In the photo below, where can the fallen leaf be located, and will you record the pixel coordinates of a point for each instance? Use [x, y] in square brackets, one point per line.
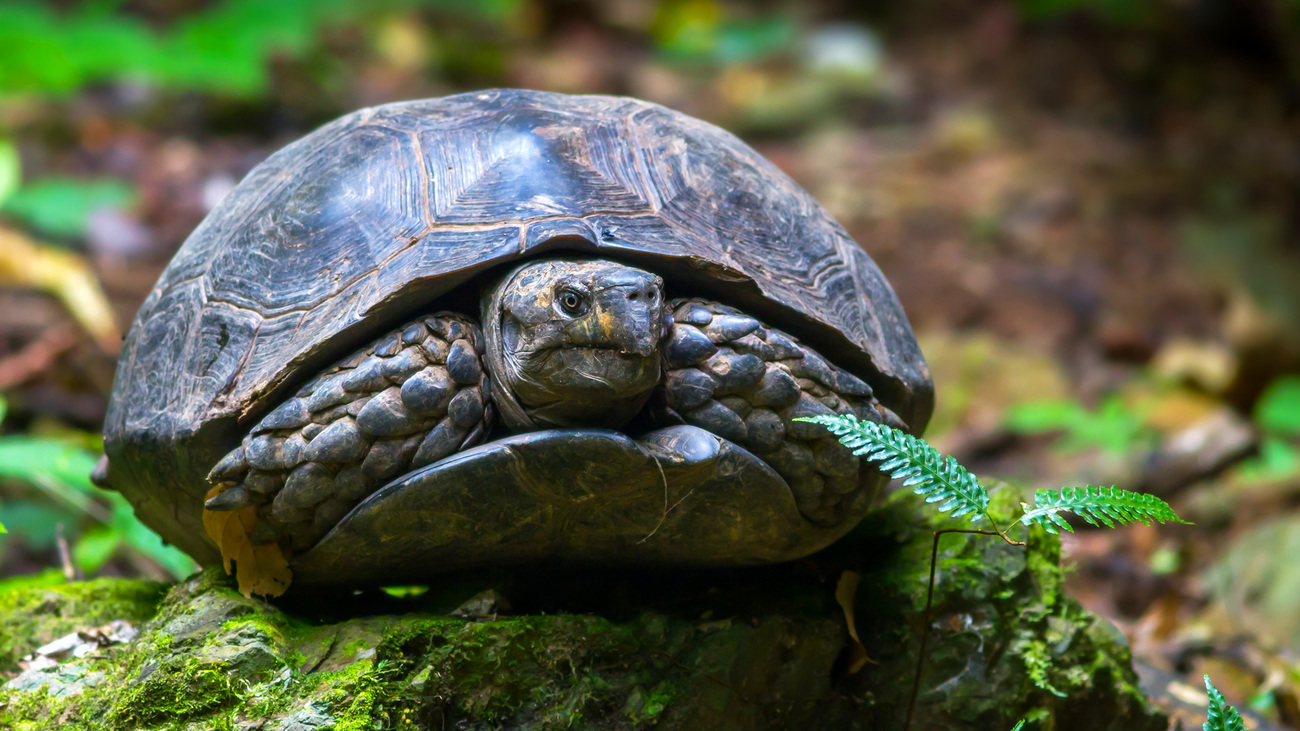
[485, 604]
[259, 569]
[268, 573]
[845, 590]
[214, 522]
[81, 643]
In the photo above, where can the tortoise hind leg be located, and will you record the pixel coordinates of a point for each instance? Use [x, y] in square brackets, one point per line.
[408, 399]
[727, 373]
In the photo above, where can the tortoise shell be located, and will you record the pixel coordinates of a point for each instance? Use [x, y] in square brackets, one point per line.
[379, 214]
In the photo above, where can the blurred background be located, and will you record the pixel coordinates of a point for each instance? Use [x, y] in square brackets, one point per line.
[1089, 208]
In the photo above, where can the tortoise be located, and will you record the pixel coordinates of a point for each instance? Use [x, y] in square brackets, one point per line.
[504, 327]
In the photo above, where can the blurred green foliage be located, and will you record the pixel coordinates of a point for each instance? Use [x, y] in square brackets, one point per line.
[225, 48]
[62, 206]
[1114, 426]
[1278, 409]
[698, 30]
[1277, 414]
[59, 470]
[55, 206]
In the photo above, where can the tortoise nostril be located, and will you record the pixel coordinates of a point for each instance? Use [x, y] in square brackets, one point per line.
[634, 296]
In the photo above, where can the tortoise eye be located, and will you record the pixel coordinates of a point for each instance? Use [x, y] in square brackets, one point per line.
[571, 301]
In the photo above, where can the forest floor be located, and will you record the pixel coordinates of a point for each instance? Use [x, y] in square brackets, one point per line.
[1088, 225]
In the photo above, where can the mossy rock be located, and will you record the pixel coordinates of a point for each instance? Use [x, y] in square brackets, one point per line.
[32, 617]
[600, 649]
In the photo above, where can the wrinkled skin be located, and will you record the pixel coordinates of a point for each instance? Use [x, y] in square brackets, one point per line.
[575, 343]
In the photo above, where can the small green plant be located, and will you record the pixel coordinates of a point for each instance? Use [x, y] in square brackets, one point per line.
[1220, 716]
[944, 481]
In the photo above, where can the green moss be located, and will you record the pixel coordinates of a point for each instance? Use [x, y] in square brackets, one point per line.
[177, 689]
[272, 630]
[355, 646]
[660, 698]
[39, 710]
[359, 697]
[1038, 664]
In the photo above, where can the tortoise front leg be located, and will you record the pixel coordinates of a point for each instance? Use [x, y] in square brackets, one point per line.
[407, 400]
[728, 374]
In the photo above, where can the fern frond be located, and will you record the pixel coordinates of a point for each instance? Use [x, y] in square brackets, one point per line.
[902, 456]
[1220, 716]
[1107, 506]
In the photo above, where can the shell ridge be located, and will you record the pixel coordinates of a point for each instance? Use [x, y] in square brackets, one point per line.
[652, 192]
[425, 181]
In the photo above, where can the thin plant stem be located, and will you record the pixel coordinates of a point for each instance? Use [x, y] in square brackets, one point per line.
[929, 599]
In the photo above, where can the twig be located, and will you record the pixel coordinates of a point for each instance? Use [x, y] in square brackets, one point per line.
[70, 571]
[37, 356]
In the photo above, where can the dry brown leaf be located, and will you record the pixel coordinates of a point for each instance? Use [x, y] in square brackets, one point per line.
[268, 571]
[27, 263]
[261, 569]
[845, 590]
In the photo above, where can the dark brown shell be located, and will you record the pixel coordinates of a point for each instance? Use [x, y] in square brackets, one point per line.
[378, 214]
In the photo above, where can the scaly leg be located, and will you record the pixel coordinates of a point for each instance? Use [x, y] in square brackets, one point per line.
[409, 399]
[728, 374]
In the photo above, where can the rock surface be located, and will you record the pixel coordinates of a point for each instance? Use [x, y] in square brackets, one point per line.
[600, 649]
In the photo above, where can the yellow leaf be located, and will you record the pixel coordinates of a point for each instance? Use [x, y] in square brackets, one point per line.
[263, 570]
[214, 522]
[259, 569]
[25, 262]
[845, 590]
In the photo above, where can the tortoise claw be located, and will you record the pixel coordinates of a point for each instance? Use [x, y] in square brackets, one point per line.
[231, 468]
[234, 498]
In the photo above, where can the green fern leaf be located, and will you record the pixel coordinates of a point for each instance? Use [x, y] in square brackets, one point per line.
[1220, 716]
[1108, 506]
[902, 456]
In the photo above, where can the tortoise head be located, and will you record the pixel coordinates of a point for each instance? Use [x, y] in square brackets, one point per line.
[574, 343]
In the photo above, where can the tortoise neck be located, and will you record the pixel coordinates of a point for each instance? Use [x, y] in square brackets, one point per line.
[513, 414]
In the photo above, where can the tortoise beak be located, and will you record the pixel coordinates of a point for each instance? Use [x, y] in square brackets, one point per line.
[629, 315]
